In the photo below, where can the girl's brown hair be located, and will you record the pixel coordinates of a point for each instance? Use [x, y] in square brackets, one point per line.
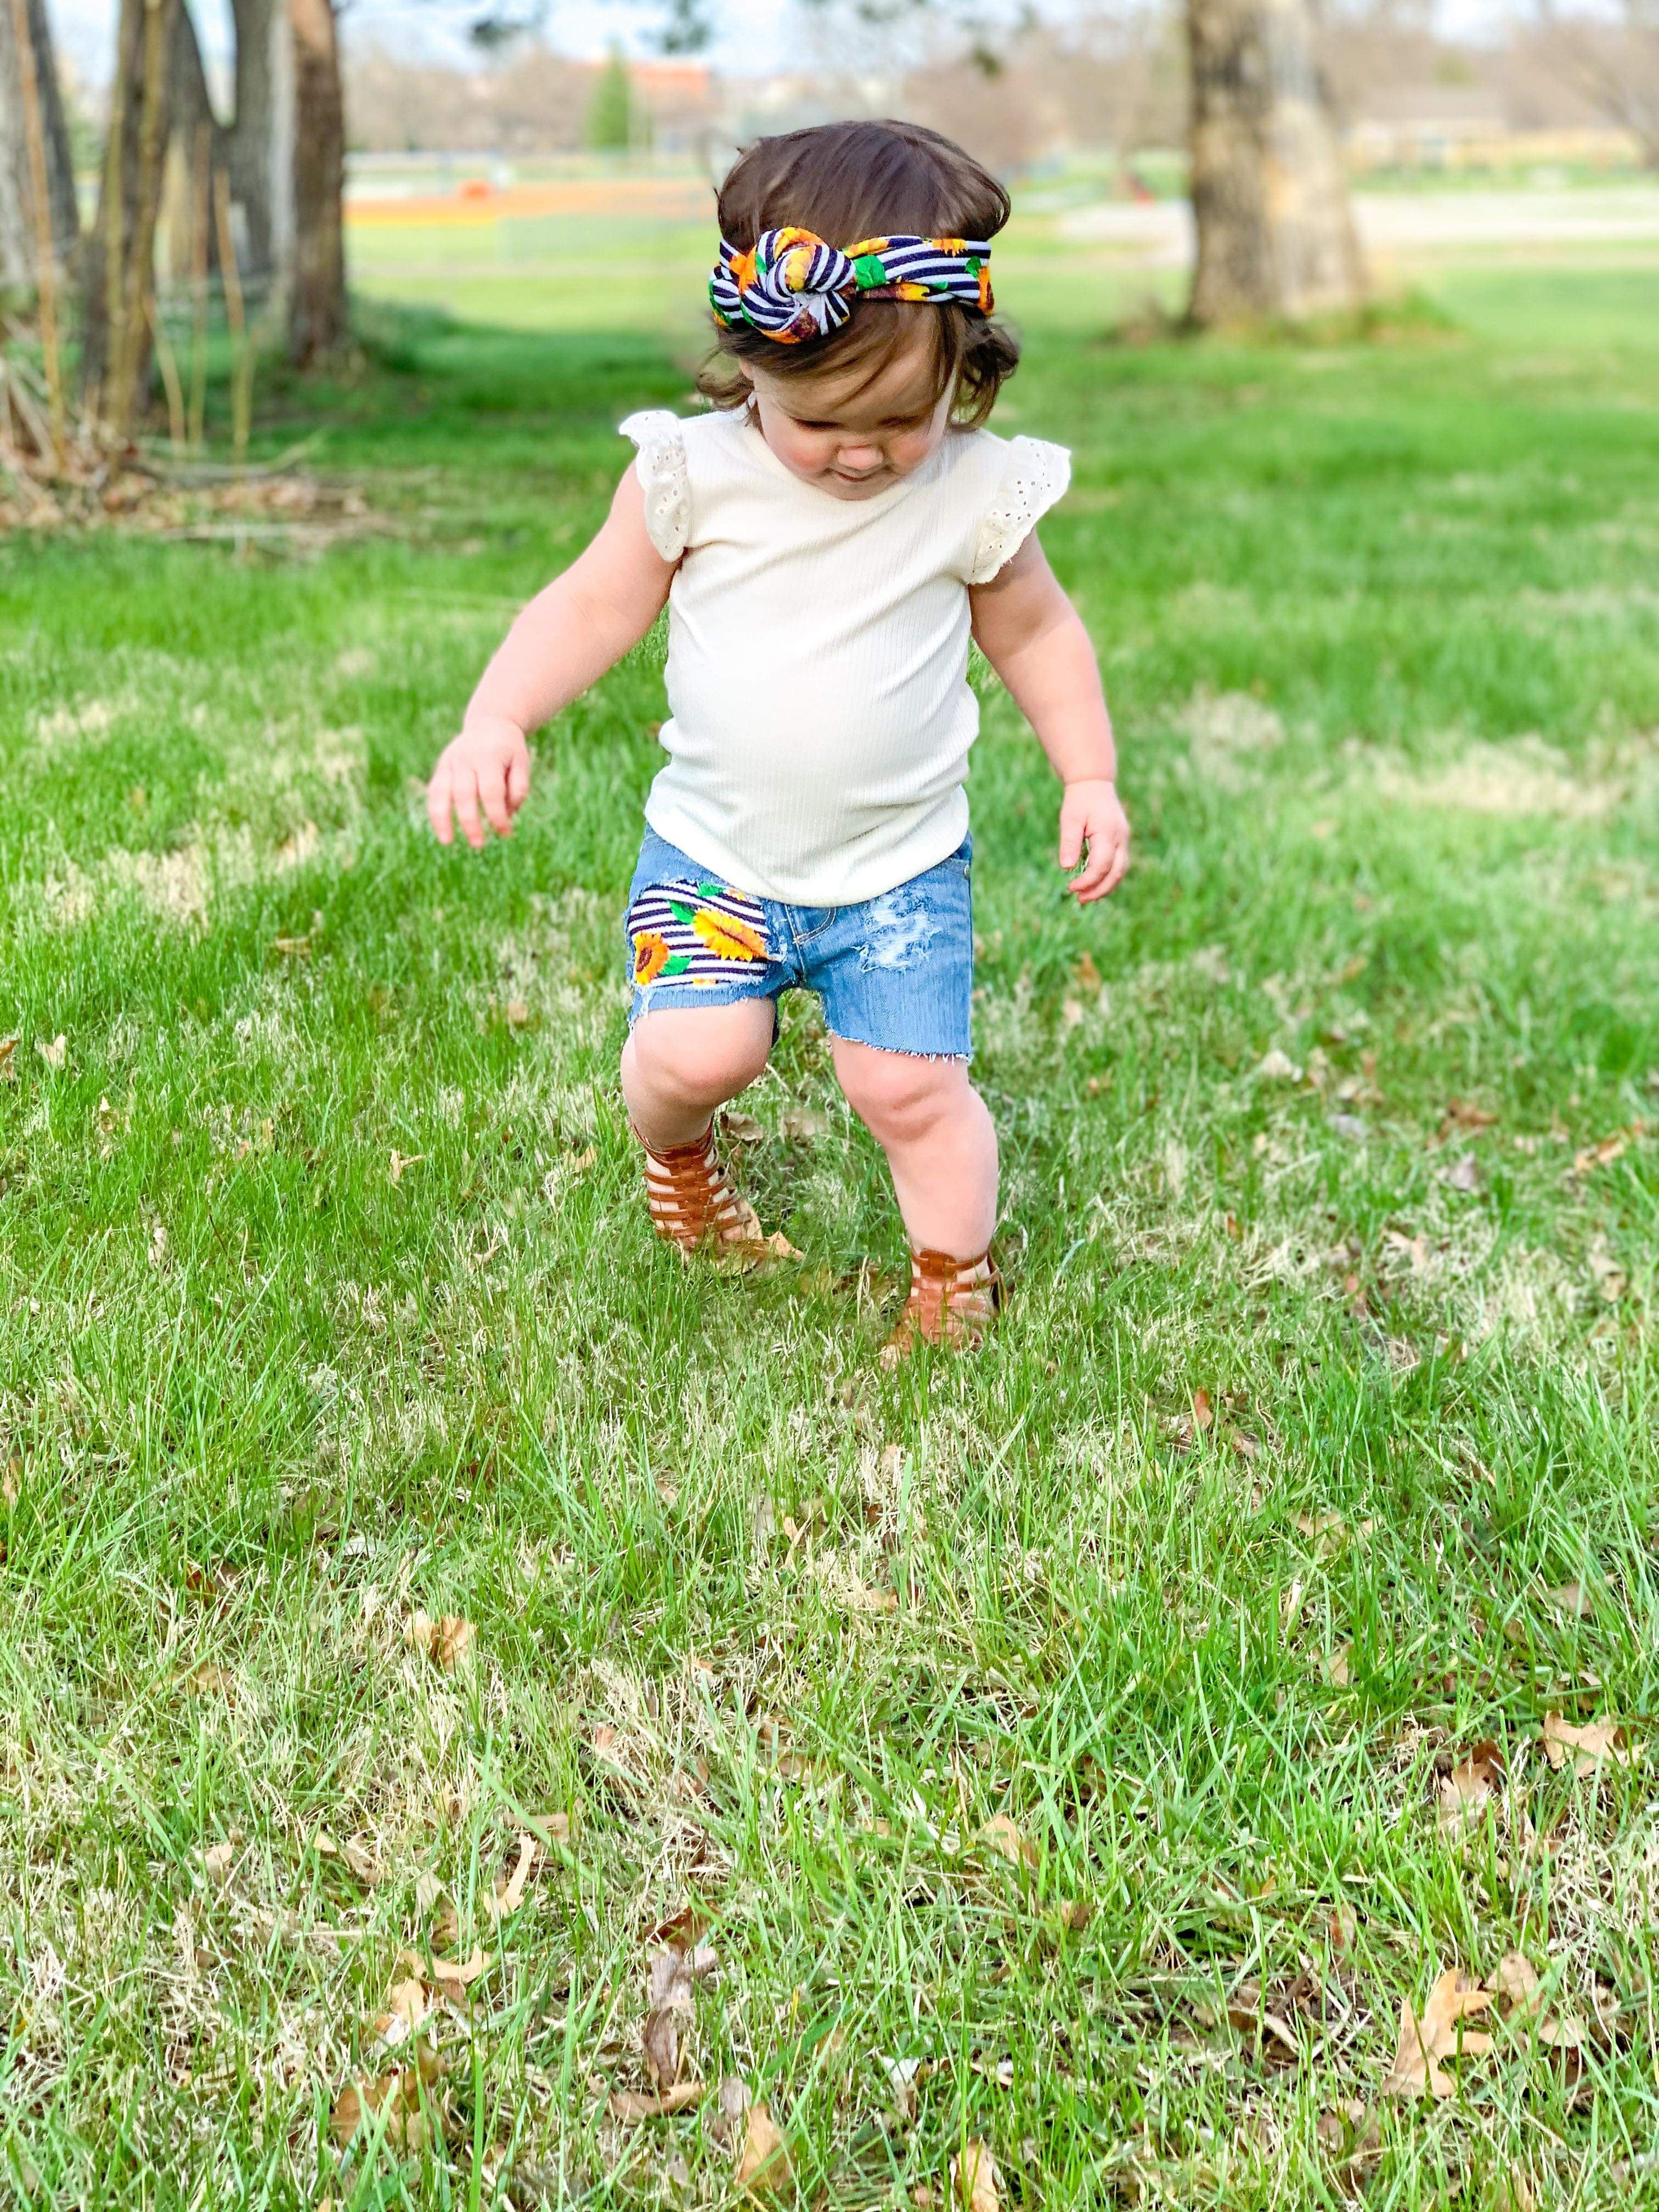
[848, 181]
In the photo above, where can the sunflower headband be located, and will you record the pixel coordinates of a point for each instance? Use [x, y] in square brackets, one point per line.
[793, 286]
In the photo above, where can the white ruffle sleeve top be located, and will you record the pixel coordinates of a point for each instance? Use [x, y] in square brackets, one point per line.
[817, 651]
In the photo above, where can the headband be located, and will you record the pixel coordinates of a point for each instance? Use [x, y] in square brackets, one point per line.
[793, 286]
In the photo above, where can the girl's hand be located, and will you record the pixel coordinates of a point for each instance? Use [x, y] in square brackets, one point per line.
[1090, 816]
[486, 767]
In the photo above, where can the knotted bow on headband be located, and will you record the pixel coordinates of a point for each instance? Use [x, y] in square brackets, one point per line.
[793, 286]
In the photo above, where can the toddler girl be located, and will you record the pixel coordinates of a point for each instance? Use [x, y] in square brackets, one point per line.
[827, 539]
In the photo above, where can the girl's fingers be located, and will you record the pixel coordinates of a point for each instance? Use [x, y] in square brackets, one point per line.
[437, 805]
[492, 794]
[518, 777]
[1088, 884]
[1105, 871]
[464, 782]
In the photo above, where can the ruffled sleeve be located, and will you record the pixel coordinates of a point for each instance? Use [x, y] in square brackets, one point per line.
[660, 464]
[1034, 477]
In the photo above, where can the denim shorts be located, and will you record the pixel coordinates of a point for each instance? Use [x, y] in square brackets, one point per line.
[897, 971]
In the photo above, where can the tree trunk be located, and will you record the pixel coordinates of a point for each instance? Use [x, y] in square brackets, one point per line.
[118, 266]
[317, 300]
[1275, 231]
[259, 183]
[19, 224]
[193, 121]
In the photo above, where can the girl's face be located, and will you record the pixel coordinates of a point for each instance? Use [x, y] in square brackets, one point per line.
[854, 436]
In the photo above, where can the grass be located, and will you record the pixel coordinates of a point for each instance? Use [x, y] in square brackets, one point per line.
[328, 1297]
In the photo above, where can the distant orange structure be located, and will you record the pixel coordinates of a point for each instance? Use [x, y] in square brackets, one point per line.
[476, 201]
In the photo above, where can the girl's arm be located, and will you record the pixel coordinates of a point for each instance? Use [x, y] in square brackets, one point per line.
[580, 625]
[1034, 638]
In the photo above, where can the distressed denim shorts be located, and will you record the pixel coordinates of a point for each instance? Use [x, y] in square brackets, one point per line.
[895, 972]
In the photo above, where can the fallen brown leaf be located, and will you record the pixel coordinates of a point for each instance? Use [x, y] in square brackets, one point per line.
[859, 1597]
[446, 1641]
[1203, 1412]
[975, 2181]
[1466, 1792]
[509, 1891]
[1463, 1114]
[661, 2040]
[684, 1930]
[632, 2106]
[1242, 2014]
[1517, 1984]
[406, 2008]
[56, 1053]
[668, 1980]
[742, 1128]
[1437, 2035]
[1523, 1994]
[7, 1060]
[394, 2099]
[1569, 1598]
[360, 1860]
[1602, 1155]
[999, 1834]
[451, 1977]
[1350, 2132]
[1340, 1667]
[727, 2124]
[764, 2167]
[1343, 1928]
[399, 1161]
[1588, 1746]
[669, 1995]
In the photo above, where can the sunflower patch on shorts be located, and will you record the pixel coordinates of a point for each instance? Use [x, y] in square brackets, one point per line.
[701, 933]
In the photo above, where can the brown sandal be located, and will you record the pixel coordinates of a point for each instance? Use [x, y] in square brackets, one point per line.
[952, 1302]
[692, 1204]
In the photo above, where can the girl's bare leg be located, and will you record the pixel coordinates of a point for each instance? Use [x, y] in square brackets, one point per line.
[682, 1063]
[937, 1133]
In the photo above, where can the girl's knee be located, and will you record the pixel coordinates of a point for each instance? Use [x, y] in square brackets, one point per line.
[702, 1057]
[899, 1094]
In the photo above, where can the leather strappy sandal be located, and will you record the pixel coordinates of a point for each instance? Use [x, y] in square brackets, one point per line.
[952, 1302]
[694, 1205]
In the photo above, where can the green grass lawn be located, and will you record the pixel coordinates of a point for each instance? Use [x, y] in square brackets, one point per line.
[1318, 1451]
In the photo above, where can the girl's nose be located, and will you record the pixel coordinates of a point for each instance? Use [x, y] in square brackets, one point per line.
[859, 458]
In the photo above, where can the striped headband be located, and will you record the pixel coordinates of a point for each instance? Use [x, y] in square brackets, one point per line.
[793, 286]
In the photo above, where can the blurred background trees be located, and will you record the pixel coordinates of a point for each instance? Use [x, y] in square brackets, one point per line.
[37, 176]
[231, 165]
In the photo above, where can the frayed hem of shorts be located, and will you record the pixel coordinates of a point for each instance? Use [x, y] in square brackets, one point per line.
[904, 1051]
[642, 1004]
